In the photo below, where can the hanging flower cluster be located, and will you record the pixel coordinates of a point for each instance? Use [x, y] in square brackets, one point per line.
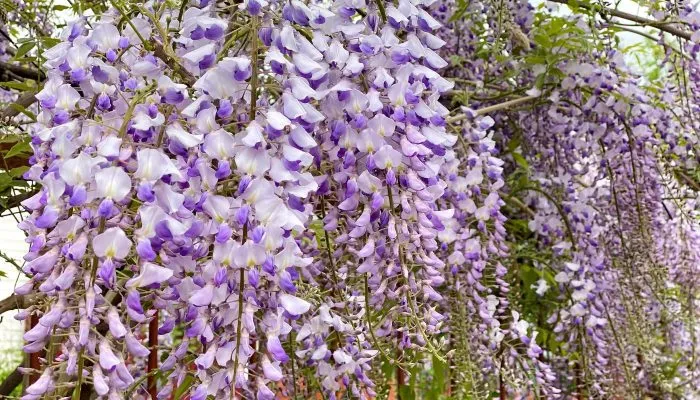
[244, 200]
[182, 176]
[597, 152]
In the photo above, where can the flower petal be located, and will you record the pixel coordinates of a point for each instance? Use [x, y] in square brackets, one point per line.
[294, 305]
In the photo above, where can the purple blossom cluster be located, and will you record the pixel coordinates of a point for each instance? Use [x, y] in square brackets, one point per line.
[183, 177]
[602, 200]
[238, 201]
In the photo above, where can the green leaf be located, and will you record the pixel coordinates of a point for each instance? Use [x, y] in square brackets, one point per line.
[529, 275]
[18, 149]
[24, 111]
[24, 49]
[573, 4]
[440, 374]
[182, 390]
[49, 41]
[317, 227]
[543, 40]
[520, 160]
[8, 139]
[5, 181]
[17, 172]
[17, 85]
[539, 81]
[535, 59]
[407, 390]
[386, 367]
[555, 26]
[514, 143]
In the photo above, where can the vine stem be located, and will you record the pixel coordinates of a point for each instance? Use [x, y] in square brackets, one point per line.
[368, 313]
[153, 355]
[618, 342]
[244, 237]
[329, 252]
[239, 322]
[81, 359]
[399, 355]
[161, 133]
[254, 64]
[146, 44]
[562, 214]
[495, 107]
[34, 360]
[294, 372]
[502, 392]
[130, 112]
[409, 298]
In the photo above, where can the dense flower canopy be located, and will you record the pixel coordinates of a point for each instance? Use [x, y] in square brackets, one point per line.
[281, 198]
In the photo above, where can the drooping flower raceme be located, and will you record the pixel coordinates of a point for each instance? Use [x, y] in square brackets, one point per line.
[278, 195]
[599, 149]
[181, 177]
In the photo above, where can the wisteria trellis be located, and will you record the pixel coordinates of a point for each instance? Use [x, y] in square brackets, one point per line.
[281, 192]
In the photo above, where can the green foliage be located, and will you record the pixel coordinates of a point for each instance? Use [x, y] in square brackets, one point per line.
[22, 147]
[9, 360]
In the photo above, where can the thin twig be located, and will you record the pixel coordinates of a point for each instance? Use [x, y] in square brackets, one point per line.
[494, 108]
[662, 26]
[159, 51]
[652, 38]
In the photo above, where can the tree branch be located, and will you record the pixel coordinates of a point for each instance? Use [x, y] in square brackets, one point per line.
[11, 382]
[17, 302]
[682, 176]
[16, 200]
[160, 52]
[23, 72]
[654, 39]
[662, 26]
[14, 109]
